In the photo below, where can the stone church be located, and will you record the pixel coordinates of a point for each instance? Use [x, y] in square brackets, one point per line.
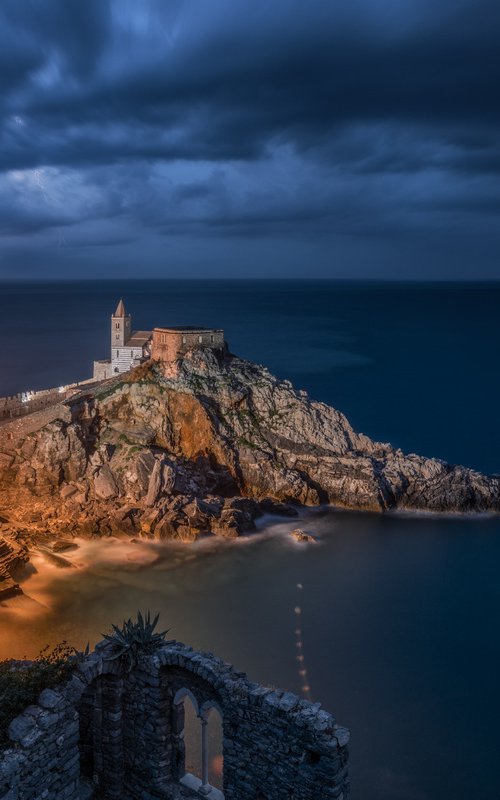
[130, 348]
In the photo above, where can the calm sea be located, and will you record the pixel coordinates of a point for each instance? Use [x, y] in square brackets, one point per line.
[400, 615]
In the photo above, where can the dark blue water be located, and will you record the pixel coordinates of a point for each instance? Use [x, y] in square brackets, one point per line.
[414, 364]
[400, 614]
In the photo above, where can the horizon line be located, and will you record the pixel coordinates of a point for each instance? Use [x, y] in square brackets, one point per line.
[243, 279]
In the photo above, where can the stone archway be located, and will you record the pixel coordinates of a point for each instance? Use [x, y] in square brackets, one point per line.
[182, 685]
[200, 784]
[121, 723]
[186, 758]
[212, 727]
[101, 741]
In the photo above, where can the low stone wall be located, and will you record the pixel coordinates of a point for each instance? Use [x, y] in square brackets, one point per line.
[24, 403]
[14, 431]
[119, 734]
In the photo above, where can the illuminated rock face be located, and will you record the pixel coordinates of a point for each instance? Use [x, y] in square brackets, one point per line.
[202, 444]
[13, 557]
[121, 733]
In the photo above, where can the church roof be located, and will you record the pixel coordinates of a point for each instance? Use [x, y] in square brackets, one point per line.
[120, 310]
[138, 338]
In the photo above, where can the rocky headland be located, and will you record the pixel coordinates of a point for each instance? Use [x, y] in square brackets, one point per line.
[202, 446]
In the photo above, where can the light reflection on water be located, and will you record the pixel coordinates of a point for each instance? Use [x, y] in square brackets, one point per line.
[398, 642]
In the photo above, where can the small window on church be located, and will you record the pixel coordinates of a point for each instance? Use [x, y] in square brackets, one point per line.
[131, 354]
[117, 336]
[117, 325]
[200, 339]
[117, 353]
[212, 339]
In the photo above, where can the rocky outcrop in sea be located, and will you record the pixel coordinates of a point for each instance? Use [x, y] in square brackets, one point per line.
[204, 445]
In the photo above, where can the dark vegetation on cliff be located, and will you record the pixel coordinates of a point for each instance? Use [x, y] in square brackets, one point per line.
[21, 682]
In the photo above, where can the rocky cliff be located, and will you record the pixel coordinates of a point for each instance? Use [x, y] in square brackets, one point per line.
[13, 557]
[203, 445]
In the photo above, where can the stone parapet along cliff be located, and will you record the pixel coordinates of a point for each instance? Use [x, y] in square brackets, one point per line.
[116, 731]
[202, 445]
[24, 403]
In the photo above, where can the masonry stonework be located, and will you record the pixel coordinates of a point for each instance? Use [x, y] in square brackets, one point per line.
[169, 344]
[130, 348]
[24, 403]
[113, 733]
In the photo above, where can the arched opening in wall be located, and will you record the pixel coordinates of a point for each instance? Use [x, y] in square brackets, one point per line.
[190, 733]
[100, 739]
[215, 751]
[86, 710]
[199, 762]
[188, 736]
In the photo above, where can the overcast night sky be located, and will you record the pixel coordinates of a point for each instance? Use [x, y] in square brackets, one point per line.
[250, 138]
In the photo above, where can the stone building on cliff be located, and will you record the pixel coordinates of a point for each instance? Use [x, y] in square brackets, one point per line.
[169, 344]
[130, 348]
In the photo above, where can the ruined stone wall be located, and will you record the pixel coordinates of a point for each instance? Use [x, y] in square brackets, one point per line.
[119, 734]
[171, 343]
[44, 759]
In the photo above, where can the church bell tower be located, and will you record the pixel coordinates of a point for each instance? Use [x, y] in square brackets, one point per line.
[121, 326]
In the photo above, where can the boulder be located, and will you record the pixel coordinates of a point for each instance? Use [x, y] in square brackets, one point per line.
[68, 491]
[105, 485]
[302, 536]
[270, 506]
[8, 588]
[232, 522]
[64, 546]
[154, 484]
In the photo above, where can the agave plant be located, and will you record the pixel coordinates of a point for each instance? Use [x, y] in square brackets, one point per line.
[135, 637]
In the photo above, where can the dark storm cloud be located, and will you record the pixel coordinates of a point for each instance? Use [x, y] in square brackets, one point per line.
[297, 76]
[367, 118]
[19, 223]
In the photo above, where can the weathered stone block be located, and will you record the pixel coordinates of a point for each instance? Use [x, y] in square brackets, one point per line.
[50, 699]
[21, 726]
